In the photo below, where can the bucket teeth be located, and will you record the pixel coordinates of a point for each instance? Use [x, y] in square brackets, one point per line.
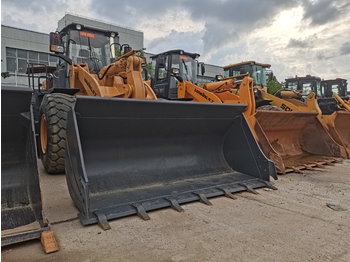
[102, 221]
[318, 165]
[309, 167]
[249, 189]
[141, 212]
[174, 204]
[330, 162]
[296, 170]
[269, 185]
[227, 193]
[203, 198]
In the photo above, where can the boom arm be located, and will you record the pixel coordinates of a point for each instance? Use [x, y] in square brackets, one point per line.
[343, 104]
[122, 78]
[220, 92]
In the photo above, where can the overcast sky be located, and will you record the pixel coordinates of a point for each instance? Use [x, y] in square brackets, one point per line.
[297, 37]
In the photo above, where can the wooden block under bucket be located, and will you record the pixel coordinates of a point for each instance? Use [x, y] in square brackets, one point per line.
[48, 241]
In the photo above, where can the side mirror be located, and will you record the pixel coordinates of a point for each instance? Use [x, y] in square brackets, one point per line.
[218, 77]
[175, 71]
[56, 44]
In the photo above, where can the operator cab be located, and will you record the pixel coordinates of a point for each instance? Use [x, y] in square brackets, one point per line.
[324, 90]
[337, 86]
[81, 44]
[305, 85]
[256, 70]
[163, 80]
[329, 87]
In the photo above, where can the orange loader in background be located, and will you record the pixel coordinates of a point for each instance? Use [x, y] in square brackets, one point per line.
[286, 138]
[326, 97]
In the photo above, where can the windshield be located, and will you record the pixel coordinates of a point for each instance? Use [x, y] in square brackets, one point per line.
[259, 75]
[234, 72]
[187, 66]
[292, 85]
[306, 88]
[335, 89]
[83, 45]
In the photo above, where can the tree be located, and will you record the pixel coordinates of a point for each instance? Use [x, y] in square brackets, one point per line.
[273, 86]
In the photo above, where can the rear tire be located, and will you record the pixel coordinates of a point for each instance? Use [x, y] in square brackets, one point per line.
[269, 107]
[52, 131]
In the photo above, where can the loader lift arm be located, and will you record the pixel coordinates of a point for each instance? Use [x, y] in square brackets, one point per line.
[122, 78]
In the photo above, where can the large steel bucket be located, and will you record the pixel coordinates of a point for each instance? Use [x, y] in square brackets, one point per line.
[338, 125]
[126, 156]
[21, 205]
[299, 138]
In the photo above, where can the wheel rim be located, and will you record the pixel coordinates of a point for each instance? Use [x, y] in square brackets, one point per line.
[43, 134]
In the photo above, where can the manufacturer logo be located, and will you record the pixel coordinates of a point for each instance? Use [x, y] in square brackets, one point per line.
[90, 87]
[286, 108]
[202, 94]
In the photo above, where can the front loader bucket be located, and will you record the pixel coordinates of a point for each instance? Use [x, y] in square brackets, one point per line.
[126, 156]
[338, 125]
[21, 205]
[299, 138]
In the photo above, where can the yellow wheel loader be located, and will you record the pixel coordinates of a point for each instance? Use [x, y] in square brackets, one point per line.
[326, 97]
[124, 151]
[286, 138]
[22, 216]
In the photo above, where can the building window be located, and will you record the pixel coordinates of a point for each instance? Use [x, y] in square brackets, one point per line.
[17, 59]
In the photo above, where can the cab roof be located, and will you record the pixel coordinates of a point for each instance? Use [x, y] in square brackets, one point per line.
[176, 52]
[251, 62]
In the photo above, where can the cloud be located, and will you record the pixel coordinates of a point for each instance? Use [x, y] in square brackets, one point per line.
[296, 43]
[175, 40]
[334, 70]
[288, 34]
[345, 48]
[321, 12]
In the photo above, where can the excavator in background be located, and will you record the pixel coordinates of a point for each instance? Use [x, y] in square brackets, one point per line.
[123, 150]
[286, 138]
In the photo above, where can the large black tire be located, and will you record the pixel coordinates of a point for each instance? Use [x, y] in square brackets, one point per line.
[52, 131]
[269, 107]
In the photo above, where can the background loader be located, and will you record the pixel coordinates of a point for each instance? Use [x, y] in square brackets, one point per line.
[286, 138]
[128, 156]
[329, 100]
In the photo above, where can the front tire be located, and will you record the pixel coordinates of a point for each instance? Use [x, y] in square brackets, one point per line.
[52, 131]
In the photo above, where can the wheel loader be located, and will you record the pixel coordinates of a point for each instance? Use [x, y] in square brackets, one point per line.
[286, 138]
[332, 101]
[126, 152]
[293, 98]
